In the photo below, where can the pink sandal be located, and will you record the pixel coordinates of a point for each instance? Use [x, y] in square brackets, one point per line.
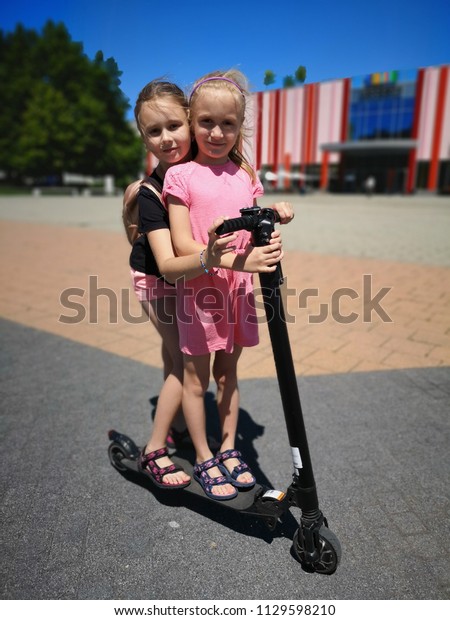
[147, 465]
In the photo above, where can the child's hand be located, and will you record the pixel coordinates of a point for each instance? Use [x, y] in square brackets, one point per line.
[284, 210]
[263, 259]
[276, 237]
[218, 246]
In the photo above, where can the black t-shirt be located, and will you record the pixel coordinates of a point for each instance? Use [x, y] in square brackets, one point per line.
[152, 216]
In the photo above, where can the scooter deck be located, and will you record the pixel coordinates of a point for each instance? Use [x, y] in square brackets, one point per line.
[243, 501]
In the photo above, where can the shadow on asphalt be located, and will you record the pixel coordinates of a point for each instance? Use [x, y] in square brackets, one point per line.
[248, 431]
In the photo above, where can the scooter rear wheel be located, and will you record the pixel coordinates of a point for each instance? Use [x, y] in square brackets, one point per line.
[116, 454]
[329, 552]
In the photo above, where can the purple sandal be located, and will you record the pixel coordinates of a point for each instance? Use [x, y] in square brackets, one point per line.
[207, 483]
[147, 465]
[237, 471]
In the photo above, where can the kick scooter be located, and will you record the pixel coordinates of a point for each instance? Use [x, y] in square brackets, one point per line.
[316, 547]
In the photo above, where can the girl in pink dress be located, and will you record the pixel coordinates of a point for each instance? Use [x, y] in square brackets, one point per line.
[215, 311]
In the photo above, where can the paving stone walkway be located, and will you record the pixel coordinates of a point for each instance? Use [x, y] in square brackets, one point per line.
[348, 310]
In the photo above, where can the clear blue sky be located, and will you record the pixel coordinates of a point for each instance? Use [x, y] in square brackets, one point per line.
[185, 39]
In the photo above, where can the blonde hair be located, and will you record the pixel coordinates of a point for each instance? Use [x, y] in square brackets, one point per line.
[236, 83]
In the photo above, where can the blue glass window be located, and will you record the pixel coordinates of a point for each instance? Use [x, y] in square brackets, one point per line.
[382, 111]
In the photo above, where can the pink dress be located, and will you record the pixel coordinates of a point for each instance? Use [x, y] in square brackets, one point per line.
[214, 311]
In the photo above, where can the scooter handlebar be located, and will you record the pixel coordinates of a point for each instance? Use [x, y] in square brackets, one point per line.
[237, 223]
[251, 219]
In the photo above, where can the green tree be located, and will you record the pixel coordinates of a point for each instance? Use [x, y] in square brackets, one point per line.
[288, 81]
[269, 77]
[300, 74]
[61, 111]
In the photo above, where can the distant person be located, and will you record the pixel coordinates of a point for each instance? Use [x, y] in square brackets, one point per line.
[370, 184]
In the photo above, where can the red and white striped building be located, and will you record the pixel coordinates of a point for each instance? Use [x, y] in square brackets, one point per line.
[306, 134]
[332, 135]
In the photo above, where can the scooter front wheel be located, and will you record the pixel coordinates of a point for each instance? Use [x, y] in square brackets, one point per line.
[329, 550]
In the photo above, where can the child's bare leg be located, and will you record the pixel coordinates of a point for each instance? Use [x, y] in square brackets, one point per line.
[165, 355]
[195, 384]
[167, 358]
[225, 376]
[178, 422]
[163, 314]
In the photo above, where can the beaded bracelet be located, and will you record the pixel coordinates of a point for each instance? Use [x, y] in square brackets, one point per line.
[205, 268]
